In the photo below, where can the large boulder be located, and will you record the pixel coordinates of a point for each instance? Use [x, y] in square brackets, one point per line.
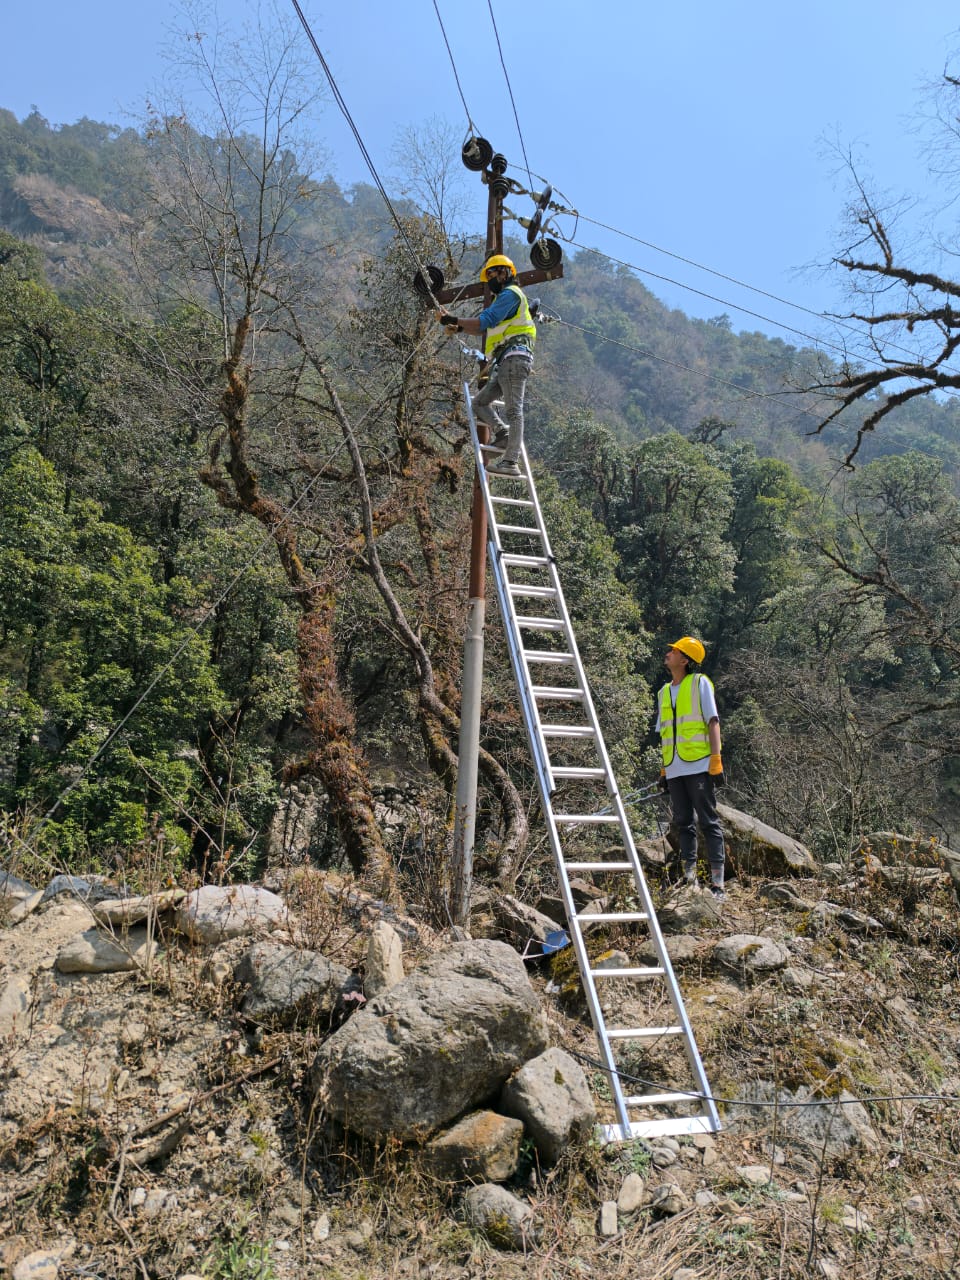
[751, 953]
[909, 852]
[287, 986]
[434, 1046]
[758, 850]
[551, 1096]
[482, 1147]
[825, 1128]
[214, 913]
[96, 952]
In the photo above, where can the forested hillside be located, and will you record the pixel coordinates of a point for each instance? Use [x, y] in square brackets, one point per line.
[234, 526]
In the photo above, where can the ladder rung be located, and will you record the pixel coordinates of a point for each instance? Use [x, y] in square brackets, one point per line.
[541, 624]
[661, 1099]
[528, 589]
[599, 866]
[655, 972]
[586, 819]
[524, 562]
[643, 1033]
[568, 731]
[510, 502]
[651, 1128]
[549, 657]
[575, 771]
[558, 694]
[518, 528]
[589, 917]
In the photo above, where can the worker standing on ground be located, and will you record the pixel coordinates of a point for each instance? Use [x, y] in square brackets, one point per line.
[689, 729]
[508, 349]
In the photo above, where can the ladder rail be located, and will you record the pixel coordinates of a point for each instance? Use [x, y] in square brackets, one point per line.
[547, 779]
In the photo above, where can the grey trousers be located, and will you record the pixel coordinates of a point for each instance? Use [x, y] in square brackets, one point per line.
[507, 382]
[692, 802]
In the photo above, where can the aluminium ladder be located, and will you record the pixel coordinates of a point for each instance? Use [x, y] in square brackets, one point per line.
[585, 817]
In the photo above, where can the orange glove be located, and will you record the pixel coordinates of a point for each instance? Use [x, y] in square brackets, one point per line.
[716, 766]
[662, 782]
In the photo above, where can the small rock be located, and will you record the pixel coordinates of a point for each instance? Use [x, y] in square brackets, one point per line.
[482, 1146]
[25, 907]
[321, 1228]
[854, 1220]
[668, 1199]
[608, 1218]
[663, 1157]
[37, 1266]
[158, 1202]
[384, 966]
[918, 1204]
[754, 1175]
[795, 979]
[631, 1194]
[506, 1221]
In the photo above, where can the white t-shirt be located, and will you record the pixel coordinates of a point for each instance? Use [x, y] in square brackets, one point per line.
[678, 768]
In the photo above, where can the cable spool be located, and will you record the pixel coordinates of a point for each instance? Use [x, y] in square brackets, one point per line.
[432, 285]
[546, 254]
[476, 154]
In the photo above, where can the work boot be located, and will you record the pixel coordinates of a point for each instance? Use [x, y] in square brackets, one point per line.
[504, 467]
[716, 883]
[498, 443]
[690, 873]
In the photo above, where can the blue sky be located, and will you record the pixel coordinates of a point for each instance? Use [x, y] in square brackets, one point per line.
[702, 129]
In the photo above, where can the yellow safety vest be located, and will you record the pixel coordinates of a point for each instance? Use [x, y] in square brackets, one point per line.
[519, 325]
[683, 731]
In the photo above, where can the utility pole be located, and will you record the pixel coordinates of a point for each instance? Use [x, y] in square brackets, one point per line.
[465, 817]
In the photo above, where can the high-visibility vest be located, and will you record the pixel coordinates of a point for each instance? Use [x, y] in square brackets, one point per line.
[683, 730]
[519, 325]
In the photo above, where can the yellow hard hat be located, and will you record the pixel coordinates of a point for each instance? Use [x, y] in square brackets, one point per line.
[691, 647]
[498, 260]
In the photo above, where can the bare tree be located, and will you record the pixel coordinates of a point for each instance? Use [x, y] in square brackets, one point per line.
[909, 305]
[332, 426]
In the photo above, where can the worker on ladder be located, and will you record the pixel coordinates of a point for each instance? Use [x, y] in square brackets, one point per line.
[508, 349]
[689, 728]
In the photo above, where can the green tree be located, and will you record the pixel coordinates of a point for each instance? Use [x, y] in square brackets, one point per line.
[87, 631]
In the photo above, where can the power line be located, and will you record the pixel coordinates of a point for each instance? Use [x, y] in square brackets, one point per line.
[742, 284]
[723, 302]
[466, 109]
[774, 1104]
[513, 103]
[817, 343]
[744, 392]
[345, 111]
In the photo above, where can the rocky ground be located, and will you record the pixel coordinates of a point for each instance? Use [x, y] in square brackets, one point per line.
[152, 1126]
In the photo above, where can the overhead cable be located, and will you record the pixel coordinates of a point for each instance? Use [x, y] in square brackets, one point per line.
[466, 109]
[742, 284]
[743, 392]
[345, 111]
[526, 163]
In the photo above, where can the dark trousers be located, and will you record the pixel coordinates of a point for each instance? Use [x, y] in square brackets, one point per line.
[693, 800]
